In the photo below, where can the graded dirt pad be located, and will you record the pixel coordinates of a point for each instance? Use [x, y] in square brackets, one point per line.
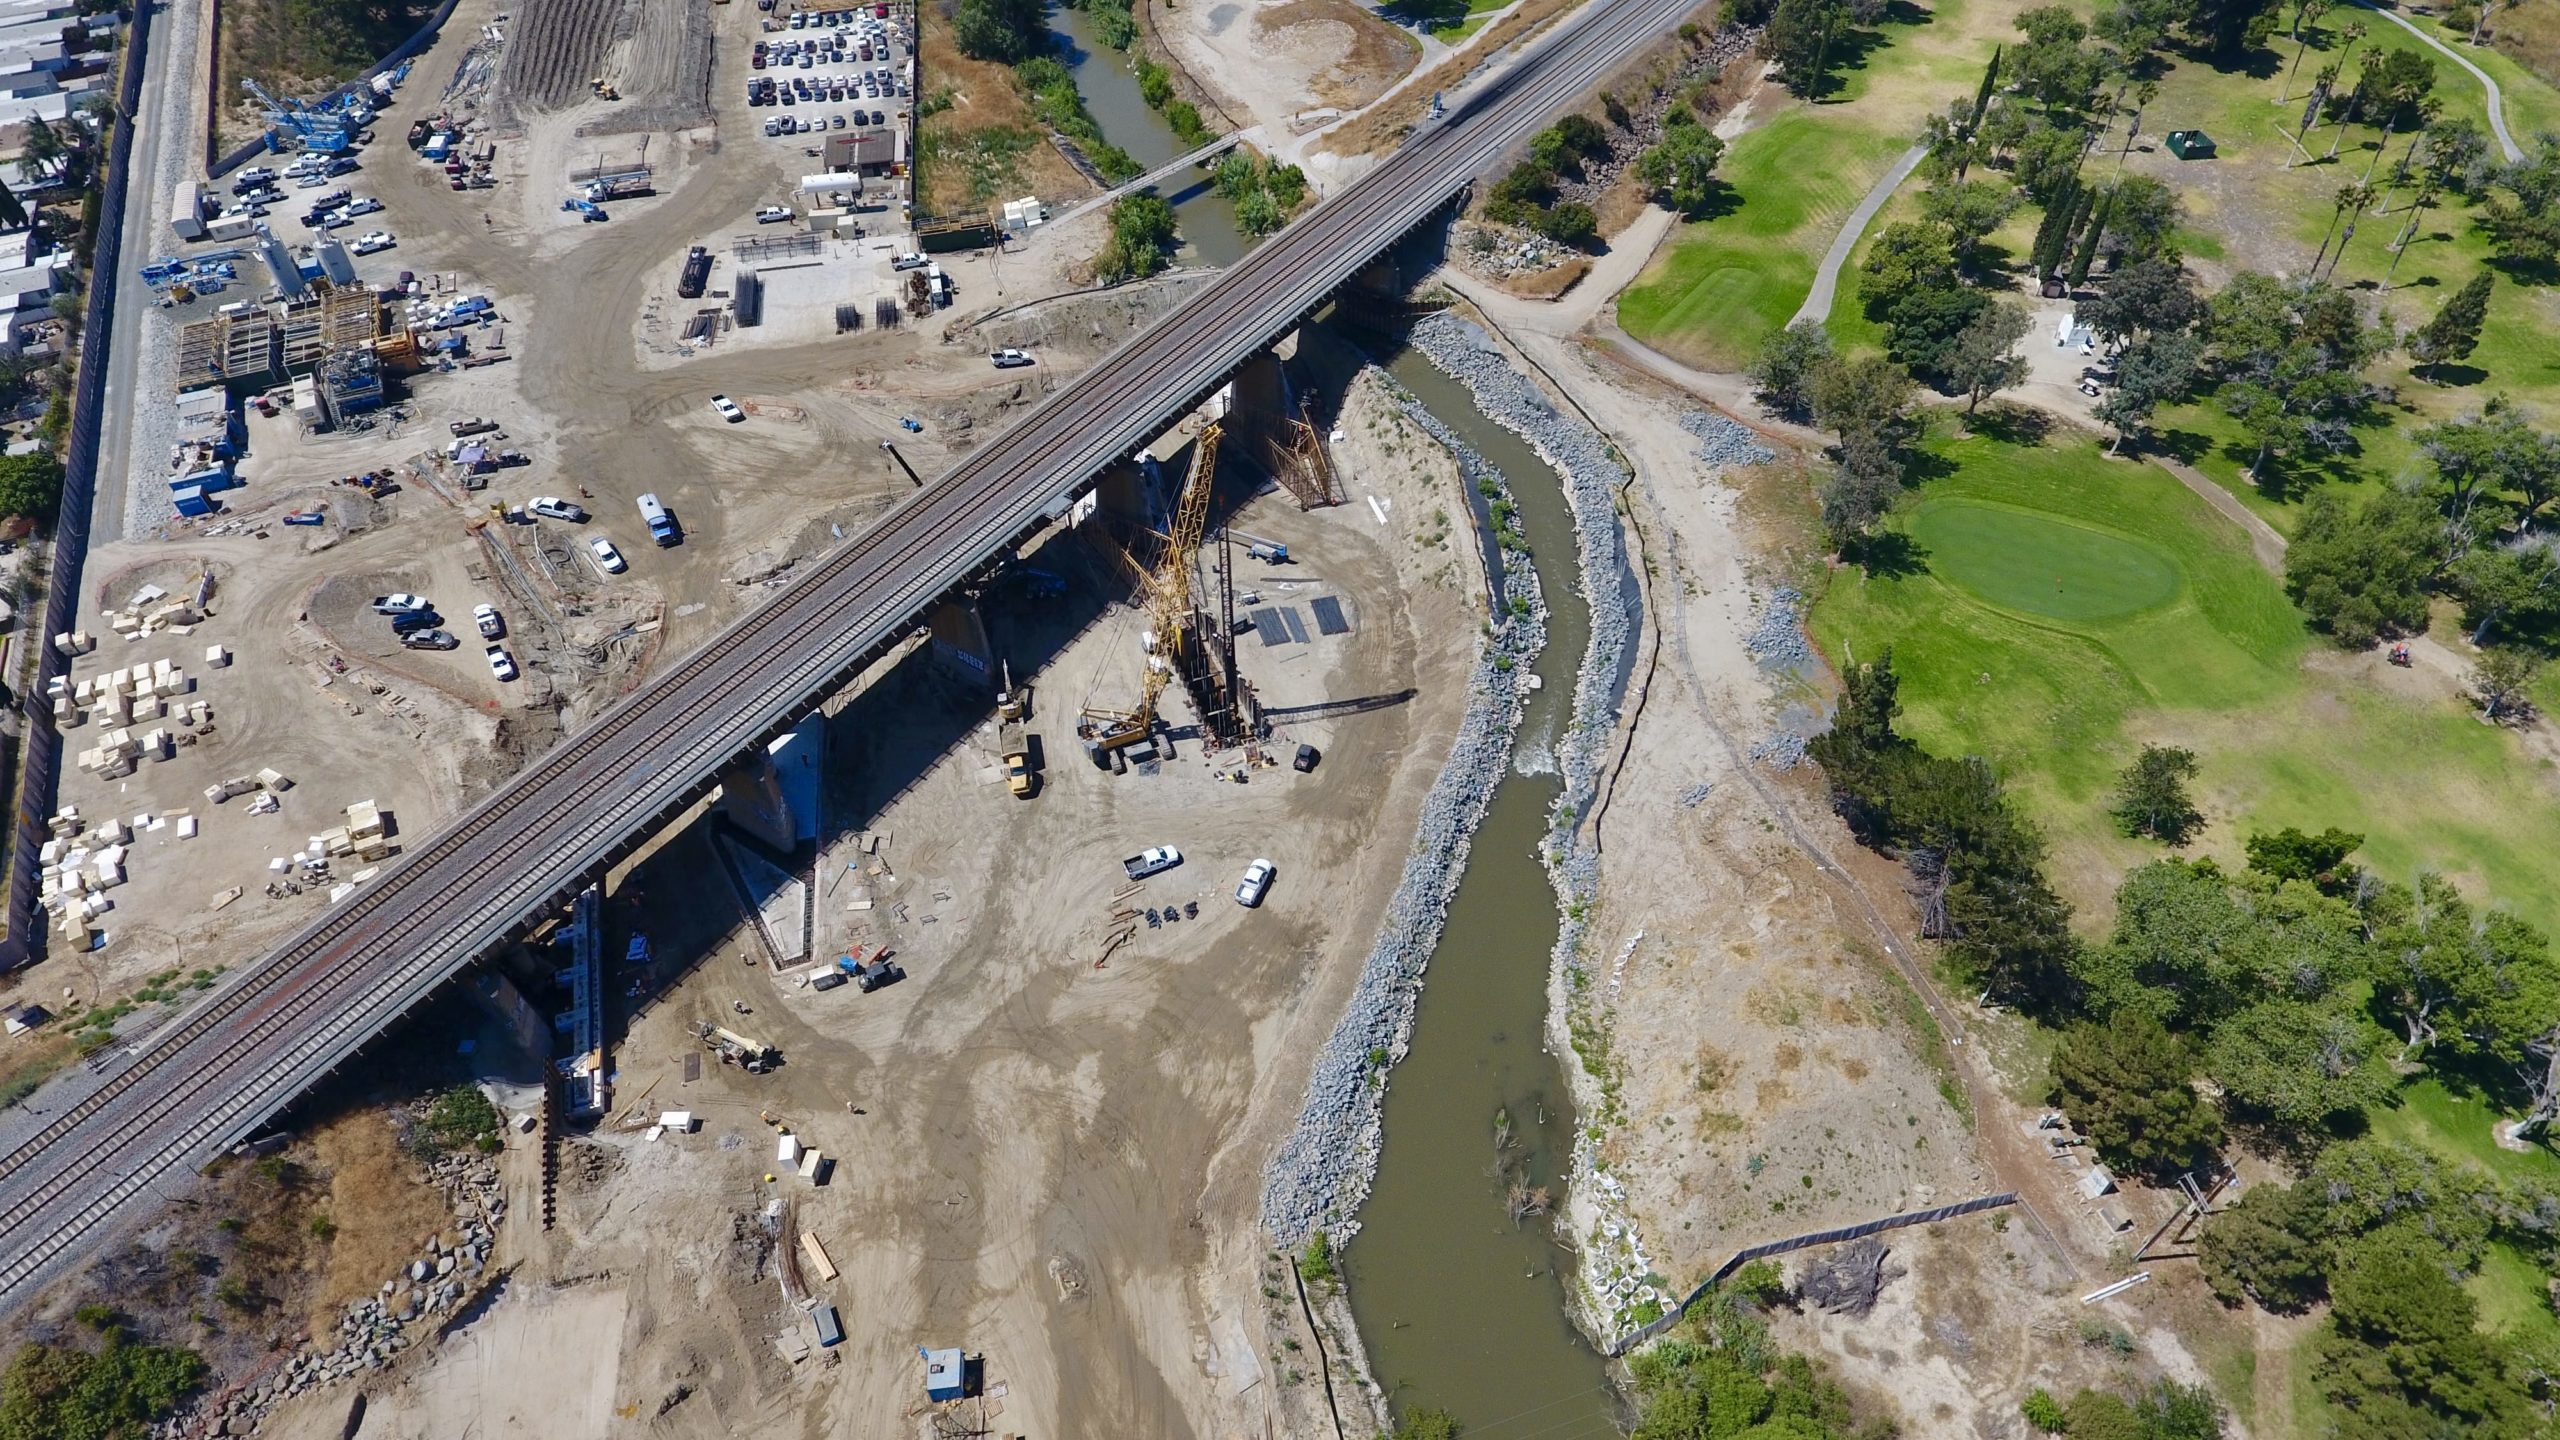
[534, 1364]
[1058, 1163]
[555, 48]
[1270, 61]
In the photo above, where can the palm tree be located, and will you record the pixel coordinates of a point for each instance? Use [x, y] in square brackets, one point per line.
[2430, 110]
[2143, 95]
[2367, 72]
[2408, 233]
[2392, 104]
[13, 211]
[2310, 10]
[2351, 199]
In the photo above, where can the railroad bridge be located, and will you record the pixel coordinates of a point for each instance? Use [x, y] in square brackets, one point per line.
[74, 1175]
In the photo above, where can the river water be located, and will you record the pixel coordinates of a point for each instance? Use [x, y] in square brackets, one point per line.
[1459, 1306]
[1108, 80]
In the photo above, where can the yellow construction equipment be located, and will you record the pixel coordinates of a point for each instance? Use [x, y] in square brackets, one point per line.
[1169, 604]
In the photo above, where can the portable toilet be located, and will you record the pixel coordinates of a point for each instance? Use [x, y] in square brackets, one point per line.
[945, 1374]
[2191, 144]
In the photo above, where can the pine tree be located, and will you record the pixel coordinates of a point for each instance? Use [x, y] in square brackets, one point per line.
[2455, 331]
[1981, 107]
[2089, 238]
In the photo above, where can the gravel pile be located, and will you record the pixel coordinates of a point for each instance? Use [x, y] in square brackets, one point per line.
[1696, 795]
[1725, 441]
[1781, 751]
[1323, 1171]
[1778, 638]
[450, 1266]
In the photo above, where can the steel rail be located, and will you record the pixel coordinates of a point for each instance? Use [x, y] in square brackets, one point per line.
[255, 1045]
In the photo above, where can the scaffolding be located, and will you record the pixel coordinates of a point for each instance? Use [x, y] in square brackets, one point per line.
[1303, 466]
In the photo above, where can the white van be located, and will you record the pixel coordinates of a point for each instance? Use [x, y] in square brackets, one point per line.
[662, 526]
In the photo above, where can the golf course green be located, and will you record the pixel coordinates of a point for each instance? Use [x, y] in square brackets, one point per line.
[2041, 564]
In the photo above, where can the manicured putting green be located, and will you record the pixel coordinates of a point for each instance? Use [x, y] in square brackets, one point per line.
[2040, 565]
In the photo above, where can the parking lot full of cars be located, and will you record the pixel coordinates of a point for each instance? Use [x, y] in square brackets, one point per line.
[856, 59]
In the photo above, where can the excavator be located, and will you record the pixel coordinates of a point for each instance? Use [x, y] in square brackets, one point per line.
[1168, 606]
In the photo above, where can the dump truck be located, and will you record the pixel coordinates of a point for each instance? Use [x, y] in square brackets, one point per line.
[1019, 777]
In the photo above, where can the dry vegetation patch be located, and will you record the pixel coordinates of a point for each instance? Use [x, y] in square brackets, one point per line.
[377, 1208]
[302, 47]
[980, 143]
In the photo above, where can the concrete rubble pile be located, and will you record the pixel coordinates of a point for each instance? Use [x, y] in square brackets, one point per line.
[450, 1266]
[1323, 1171]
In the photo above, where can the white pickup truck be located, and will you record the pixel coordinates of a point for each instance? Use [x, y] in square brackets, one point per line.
[1149, 862]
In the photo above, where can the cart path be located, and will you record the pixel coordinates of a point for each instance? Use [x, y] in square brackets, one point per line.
[2497, 100]
[1826, 281]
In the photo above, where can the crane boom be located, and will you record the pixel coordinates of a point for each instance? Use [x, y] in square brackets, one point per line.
[1168, 597]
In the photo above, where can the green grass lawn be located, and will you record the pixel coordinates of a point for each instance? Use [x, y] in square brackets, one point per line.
[2246, 207]
[2061, 609]
[1720, 287]
[2458, 1127]
[1456, 31]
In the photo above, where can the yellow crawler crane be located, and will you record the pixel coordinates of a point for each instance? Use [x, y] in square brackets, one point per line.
[1168, 602]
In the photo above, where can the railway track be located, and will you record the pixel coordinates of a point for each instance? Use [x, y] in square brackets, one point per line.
[223, 1068]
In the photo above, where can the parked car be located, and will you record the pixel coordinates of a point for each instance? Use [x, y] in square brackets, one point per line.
[728, 409]
[1306, 759]
[830, 980]
[429, 640]
[401, 604]
[501, 664]
[773, 214]
[1150, 861]
[371, 241]
[492, 625]
[911, 260]
[474, 426]
[552, 507]
[607, 558]
[363, 205]
[1256, 883]
[1008, 358]
[409, 622]
[343, 165]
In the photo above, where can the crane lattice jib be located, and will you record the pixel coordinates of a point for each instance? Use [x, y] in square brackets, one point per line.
[1190, 527]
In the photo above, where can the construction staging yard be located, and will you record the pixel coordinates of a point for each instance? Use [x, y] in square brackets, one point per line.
[1501, 878]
